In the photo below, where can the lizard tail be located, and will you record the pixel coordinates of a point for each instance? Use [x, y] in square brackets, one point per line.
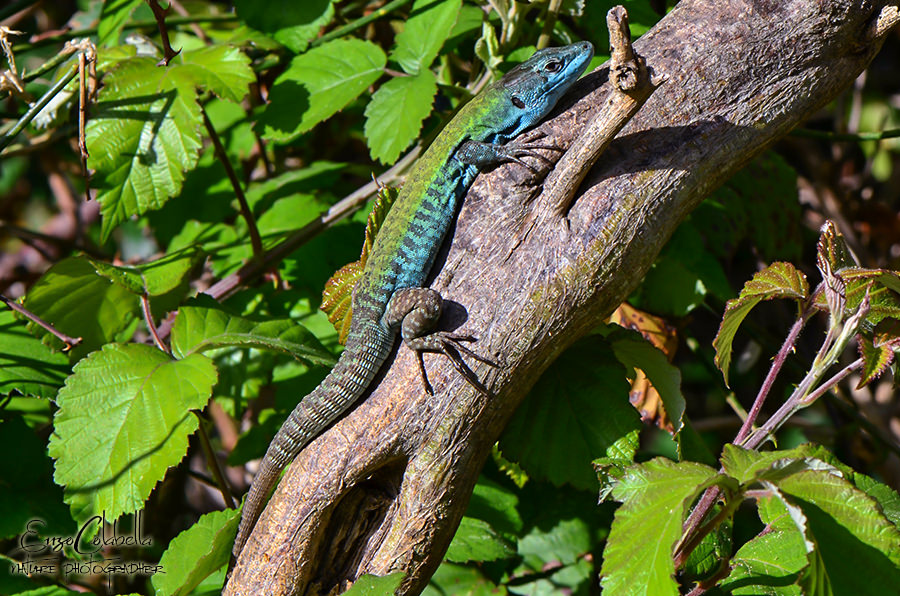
[346, 382]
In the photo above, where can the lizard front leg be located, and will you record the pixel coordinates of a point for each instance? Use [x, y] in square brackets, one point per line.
[416, 311]
[483, 155]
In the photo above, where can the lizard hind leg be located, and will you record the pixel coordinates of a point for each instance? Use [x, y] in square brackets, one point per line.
[416, 311]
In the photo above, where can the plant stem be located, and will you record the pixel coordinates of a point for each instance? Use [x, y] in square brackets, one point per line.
[70, 341]
[52, 39]
[37, 107]
[838, 136]
[246, 213]
[214, 464]
[786, 348]
[148, 319]
[359, 23]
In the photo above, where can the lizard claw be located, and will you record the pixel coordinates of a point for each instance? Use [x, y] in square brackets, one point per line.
[451, 345]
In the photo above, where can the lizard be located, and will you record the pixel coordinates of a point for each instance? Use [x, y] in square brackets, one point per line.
[389, 298]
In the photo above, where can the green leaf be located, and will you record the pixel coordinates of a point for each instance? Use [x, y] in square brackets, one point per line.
[143, 136]
[655, 498]
[394, 116]
[112, 19]
[376, 585]
[577, 412]
[887, 498]
[476, 540]
[876, 359]
[748, 465]
[154, 278]
[124, 418]
[197, 552]
[634, 351]
[318, 84]
[220, 69]
[80, 303]
[451, 578]
[29, 473]
[850, 532]
[337, 297]
[293, 23]
[772, 562]
[26, 364]
[198, 329]
[430, 23]
[778, 280]
[497, 506]
[711, 554]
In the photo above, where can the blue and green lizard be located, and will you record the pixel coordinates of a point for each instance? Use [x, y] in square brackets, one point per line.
[389, 297]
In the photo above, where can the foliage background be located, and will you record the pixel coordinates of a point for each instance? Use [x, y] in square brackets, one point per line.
[306, 112]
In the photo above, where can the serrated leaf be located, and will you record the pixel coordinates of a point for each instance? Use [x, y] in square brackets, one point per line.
[198, 329]
[428, 26]
[778, 280]
[197, 552]
[655, 498]
[143, 135]
[124, 419]
[27, 365]
[772, 562]
[337, 297]
[887, 498]
[832, 251]
[850, 532]
[291, 23]
[748, 465]
[634, 351]
[81, 303]
[112, 19]
[876, 358]
[394, 116]
[318, 84]
[476, 540]
[578, 411]
[221, 69]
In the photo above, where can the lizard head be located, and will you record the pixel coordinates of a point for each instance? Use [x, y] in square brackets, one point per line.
[534, 86]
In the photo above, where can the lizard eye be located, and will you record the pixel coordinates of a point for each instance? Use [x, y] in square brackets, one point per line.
[553, 66]
[518, 102]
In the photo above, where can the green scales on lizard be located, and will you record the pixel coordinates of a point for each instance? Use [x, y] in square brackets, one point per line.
[389, 297]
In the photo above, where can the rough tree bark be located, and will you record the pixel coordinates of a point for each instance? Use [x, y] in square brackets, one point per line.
[384, 489]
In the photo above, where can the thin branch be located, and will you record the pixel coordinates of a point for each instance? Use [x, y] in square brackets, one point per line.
[858, 137]
[38, 106]
[159, 13]
[214, 464]
[632, 87]
[246, 213]
[359, 23]
[349, 204]
[549, 22]
[54, 39]
[786, 348]
[791, 405]
[70, 341]
[148, 319]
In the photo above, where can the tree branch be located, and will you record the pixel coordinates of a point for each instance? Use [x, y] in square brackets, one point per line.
[384, 489]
